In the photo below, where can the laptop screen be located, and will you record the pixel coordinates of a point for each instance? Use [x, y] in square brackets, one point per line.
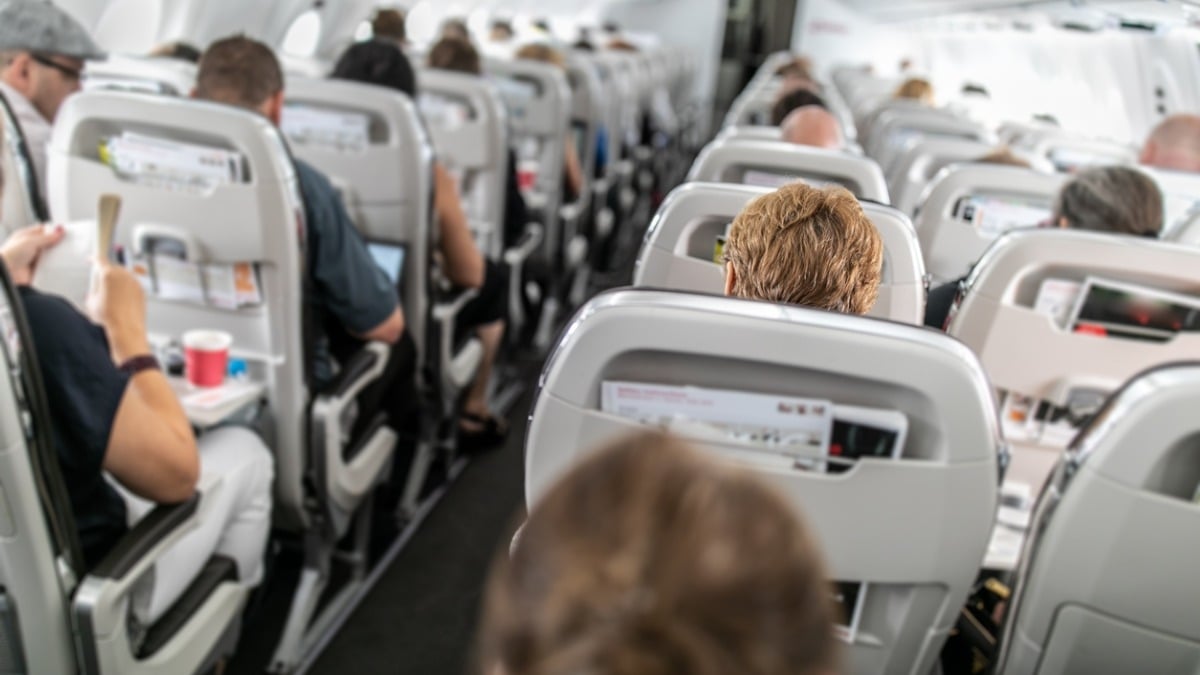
[390, 258]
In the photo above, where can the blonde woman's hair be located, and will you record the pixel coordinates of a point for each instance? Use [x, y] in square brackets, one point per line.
[807, 246]
[542, 52]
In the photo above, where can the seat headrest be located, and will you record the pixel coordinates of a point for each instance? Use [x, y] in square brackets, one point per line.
[728, 159]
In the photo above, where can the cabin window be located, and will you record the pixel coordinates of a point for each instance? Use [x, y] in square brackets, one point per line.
[422, 22]
[364, 32]
[304, 34]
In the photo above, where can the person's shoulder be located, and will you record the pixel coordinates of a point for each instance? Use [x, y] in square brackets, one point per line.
[311, 178]
[52, 316]
[45, 304]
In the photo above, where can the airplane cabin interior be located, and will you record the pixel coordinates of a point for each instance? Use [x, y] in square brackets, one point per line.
[600, 337]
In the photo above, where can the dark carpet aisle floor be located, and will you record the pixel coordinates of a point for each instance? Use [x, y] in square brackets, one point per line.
[421, 616]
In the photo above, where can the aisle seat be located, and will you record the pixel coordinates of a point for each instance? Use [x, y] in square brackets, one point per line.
[247, 212]
[893, 128]
[370, 140]
[1108, 582]
[148, 75]
[58, 616]
[772, 163]
[1042, 336]
[468, 124]
[940, 495]
[678, 251]
[921, 161]
[967, 206]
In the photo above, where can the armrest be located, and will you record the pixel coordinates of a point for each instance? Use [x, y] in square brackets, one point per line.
[351, 373]
[446, 311]
[366, 366]
[623, 168]
[515, 258]
[109, 610]
[345, 477]
[101, 603]
[530, 241]
[455, 368]
[570, 212]
[141, 541]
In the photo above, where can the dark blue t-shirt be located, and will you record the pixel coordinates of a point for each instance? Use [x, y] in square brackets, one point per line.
[348, 286]
[83, 390]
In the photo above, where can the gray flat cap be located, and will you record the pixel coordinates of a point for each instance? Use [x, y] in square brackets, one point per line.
[38, 26]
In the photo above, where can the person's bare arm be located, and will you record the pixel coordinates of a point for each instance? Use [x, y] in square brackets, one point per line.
[464, 262]
[389, 330]
[574, 171]
[151, 450]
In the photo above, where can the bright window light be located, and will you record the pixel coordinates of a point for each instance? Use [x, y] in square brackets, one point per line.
[422, 23]
[479, 22]
[303, 36]
[364, 32]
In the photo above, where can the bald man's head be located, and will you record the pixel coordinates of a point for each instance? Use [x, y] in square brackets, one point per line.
[812, 125]
[1174, 144]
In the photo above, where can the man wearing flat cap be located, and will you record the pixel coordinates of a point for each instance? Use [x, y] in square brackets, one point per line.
[42, 51]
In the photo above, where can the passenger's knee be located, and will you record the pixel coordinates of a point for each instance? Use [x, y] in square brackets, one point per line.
[238, 454]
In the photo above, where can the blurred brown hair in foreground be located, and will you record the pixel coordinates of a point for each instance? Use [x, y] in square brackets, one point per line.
[648, 558]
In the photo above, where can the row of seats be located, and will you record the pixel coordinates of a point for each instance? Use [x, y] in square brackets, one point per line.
[330, 455]
[915, 533]
[951, 240]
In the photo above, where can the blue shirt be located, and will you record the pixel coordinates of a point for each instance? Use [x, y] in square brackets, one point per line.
[348, 287]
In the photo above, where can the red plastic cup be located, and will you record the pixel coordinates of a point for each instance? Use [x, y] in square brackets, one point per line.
[206, 357]
[527, 175]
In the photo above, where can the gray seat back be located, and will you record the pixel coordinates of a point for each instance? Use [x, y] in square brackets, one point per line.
[538, 99]
[611, 106]
[255, 220]
[737, 160]
[587, 116]
[1026, 351]
[1181, 203]
[940, 497]
[1070, 152]
[753, 105]
[678, 249]
[921, 160]
[1107, 582]
[893, 129]
[370, 142]
[749, 131]
[468, 124]
[148, 75]
[40, 541]
[953, 235]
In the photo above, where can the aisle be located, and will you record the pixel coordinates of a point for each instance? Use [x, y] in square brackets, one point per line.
[420, 617]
